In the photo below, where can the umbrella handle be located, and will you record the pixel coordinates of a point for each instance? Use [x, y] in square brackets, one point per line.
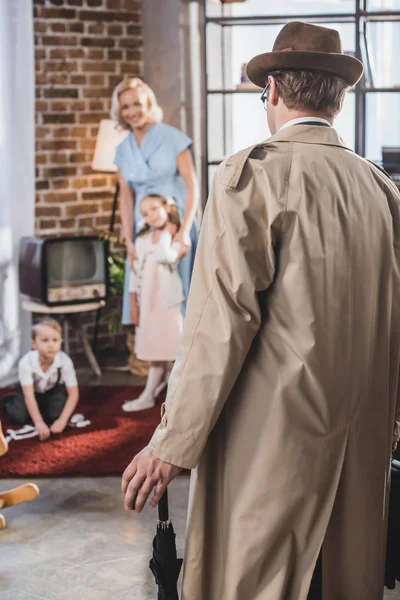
[163, 513]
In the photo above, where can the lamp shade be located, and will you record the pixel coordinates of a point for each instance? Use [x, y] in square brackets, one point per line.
[109, 136]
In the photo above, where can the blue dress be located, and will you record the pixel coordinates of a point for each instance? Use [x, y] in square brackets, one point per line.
[151, 168]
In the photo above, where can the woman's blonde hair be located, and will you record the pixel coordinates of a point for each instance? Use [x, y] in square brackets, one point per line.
[154, 111]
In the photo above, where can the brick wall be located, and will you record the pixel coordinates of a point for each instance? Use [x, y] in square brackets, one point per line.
[83, 48]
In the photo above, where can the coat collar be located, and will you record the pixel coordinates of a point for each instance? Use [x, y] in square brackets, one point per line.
[308, 134]
[231, 169]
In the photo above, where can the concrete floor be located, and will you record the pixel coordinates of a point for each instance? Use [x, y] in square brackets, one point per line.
[76, 541]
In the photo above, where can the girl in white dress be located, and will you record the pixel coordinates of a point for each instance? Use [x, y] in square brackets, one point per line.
[156, 295]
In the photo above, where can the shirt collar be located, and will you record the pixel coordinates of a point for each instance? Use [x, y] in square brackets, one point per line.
[305, 120]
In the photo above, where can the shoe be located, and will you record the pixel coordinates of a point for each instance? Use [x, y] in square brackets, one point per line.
[141, 403]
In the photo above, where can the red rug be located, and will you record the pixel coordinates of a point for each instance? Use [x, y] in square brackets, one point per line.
[105, 447]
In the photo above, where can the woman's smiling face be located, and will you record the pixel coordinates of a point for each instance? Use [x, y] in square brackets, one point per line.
[133, 108]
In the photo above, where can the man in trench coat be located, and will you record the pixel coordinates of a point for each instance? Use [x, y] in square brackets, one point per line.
[284, 399]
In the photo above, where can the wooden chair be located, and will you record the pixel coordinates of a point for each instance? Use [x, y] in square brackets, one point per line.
[22, 493]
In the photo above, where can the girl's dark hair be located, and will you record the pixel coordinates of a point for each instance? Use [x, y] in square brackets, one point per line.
[173, 214]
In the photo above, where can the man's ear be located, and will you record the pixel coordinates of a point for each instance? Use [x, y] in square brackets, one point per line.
[273, 95]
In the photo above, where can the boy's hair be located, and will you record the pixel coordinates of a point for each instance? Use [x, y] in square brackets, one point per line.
[173, 214]
[46, 322]
[311, 90]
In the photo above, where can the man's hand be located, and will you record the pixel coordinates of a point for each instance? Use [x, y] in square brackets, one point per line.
[144, 473]
[43, 431]
[58, 426]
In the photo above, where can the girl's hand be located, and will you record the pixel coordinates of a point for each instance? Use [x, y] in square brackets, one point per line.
[183, 239]
[132, 256]
[135, 314]
[43, 431]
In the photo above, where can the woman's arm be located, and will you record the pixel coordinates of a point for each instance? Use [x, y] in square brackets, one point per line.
[186, 170]
[127, 205]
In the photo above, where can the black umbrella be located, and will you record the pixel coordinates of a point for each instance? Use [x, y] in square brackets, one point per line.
[393, 540]
[165, 565]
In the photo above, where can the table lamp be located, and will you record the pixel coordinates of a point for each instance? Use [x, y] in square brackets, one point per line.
[110, 134]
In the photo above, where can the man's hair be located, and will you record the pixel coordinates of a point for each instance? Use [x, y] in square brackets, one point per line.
[317, 91]
[46, 322]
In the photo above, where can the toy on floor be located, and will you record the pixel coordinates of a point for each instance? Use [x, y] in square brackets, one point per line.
[22, 493]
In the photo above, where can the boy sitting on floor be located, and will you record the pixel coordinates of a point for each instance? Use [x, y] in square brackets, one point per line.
[48, 389]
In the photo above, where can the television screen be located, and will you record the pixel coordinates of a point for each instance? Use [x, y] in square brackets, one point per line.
[75, 262]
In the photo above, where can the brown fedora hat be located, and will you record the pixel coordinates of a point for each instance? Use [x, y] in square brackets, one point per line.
[301, 46]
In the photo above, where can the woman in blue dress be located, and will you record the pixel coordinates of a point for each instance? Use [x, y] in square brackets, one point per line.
[154, 158]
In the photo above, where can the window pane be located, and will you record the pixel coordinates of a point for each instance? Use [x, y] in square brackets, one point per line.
[345, 122]
[284, 7]
[383, 123]
[376, 5]
[243, 42]
[383, 41]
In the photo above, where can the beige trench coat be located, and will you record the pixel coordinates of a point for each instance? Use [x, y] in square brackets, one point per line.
[284, 393]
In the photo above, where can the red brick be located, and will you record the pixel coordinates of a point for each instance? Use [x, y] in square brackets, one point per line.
[102, 221]
[59, 172]
[95, 53]
[77, 157]
[77, 106]
[96, 105]
[98, 181]
[114, 30]
[40, 159]
[58, 145]
[40, 53]
[62, 40]
[96, 28]
[61, 93]
[96, 195]
[47, 211]
[93, 117]
[129, 67]
[114, 80]
[59, 106]
[95, 92]
[76, 27]
[79, 132]
[94, 3]
[134, 30]
[41, 106]
[98, 42]
[60, 184]
[59, 118]
[80, 182]
[75, 2]
[60, 132]
[88, 144]
[132, 5]
[41, 79]
[59, 197]
[115, 54]
[56, 53]
[101, 15]
[47, 224]
[57, 27]
[98, 67]
[133, 55]
[129, 42]
[76, 53]
[57, 13]
[42, 185]
[97, 80]
[67, 223]
[81, 208]
[40, 27]
[58, 158]
[58, 78]
[78, 79]
[86, 222]
[58, 66]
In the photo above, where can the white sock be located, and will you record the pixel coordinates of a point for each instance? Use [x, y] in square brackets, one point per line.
[147, 397]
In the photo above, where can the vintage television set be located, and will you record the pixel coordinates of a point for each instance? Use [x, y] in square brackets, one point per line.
[63, 270]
